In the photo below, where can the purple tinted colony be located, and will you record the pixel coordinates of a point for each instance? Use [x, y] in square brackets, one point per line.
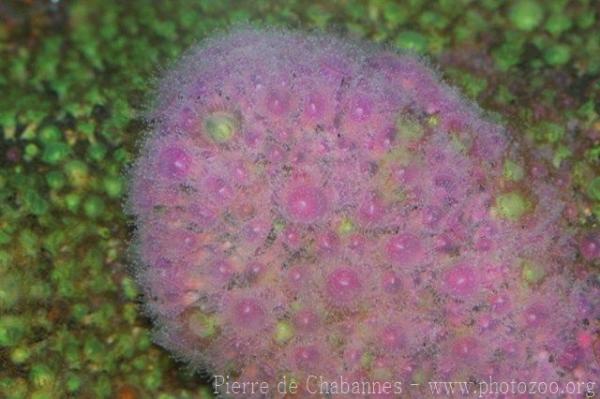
[308, 205]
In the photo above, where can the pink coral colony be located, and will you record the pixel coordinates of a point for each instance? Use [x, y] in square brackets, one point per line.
[306, 205]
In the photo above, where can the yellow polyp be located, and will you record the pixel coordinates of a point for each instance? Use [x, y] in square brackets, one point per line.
[283, 332]
[278, 225]
[458, 144]
[512, 206]
[346, 226]
[221, 126]
[433, 120]
[336, 340]
[419, 377]
[532, 273]
[408, 128]
[295, 306]
[382, 374]
[202, 325]
[513, 171]
[366, 360]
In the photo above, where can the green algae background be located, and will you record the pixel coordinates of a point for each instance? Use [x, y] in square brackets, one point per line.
[74, 79]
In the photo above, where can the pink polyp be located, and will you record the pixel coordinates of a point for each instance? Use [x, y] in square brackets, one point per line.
[570, 357]
[256, 230]
[328, 242]
[202, 215]
[343, 284]
[405, 249]
[278, 102]
[251, 138]
[174, 162]
[275, 154]
[391, 338]
[372, 209]
[585, 339]
[184, 120]
[589, 247]
[431, 216]
[182, 242]
[391, 283]
[218, 189]
[291, 237]
[460, 280]
[240, 173]
[255, 270]
[248, 313]
[306, 357]
[356, 243]
[306, 320]
[297, 277]
[466, 348]
[305, 204]
[221, 271]
[535, 315]
[314, 108]
[361, 109]
[499, 303]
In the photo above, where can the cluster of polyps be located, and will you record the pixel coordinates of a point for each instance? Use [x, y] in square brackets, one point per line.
[310, 206]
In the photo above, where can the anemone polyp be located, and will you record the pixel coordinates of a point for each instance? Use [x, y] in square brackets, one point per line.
[221, 126]
[310, 205]
[174, 162]
[247, 313]
[405, 249]
[306, 320]
[305, 203]
[461, 280]
[391, 338]
[343, 285]
[306, 356]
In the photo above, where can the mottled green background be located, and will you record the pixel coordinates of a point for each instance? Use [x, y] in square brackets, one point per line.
[74, 77]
